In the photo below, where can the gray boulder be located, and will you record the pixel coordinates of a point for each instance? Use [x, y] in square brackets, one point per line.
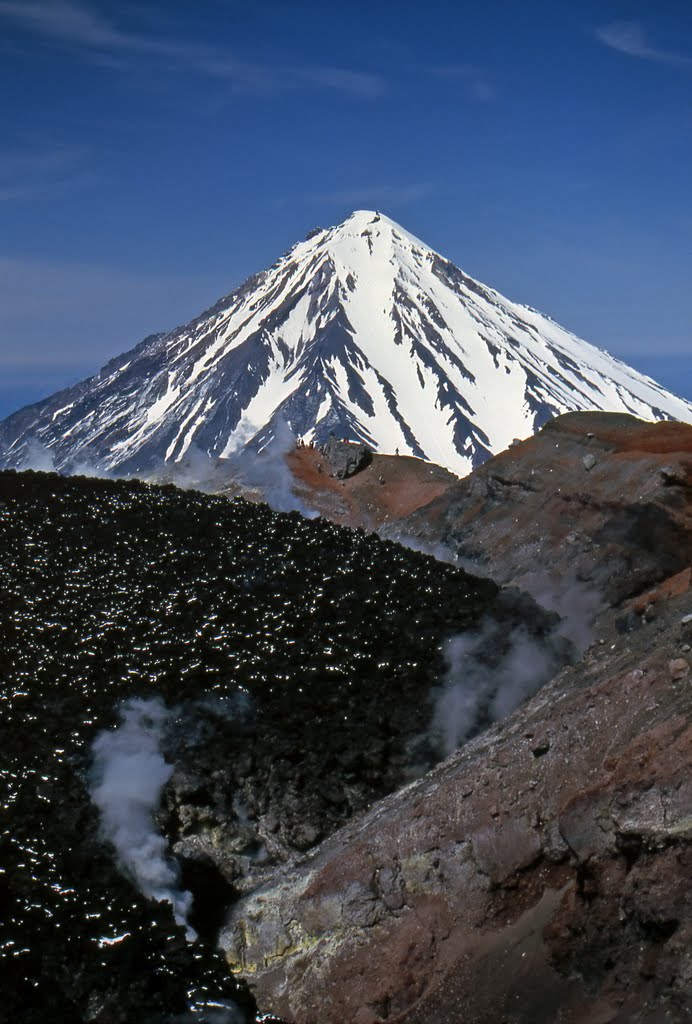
[346, 457]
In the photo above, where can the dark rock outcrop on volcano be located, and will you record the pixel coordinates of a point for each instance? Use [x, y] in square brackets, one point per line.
[345, 458]
[297, 658]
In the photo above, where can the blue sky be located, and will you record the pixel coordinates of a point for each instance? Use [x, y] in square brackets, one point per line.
[155, 154]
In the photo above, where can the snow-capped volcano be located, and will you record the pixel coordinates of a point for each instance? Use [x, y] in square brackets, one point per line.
[362, 331]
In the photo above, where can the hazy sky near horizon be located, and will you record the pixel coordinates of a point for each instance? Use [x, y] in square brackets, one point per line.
[155, 154]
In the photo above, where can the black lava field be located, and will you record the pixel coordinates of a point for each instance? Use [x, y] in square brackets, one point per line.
[298, 657]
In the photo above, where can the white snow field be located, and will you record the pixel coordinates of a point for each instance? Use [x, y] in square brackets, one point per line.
[360, 330]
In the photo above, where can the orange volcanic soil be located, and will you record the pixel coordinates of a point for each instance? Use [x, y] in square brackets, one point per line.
[389, 488]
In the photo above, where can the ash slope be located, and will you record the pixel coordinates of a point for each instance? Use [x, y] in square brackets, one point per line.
[360, 329]
[299, 657]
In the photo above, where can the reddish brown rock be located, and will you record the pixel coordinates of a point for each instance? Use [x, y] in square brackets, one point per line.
[389, 488]
[573, 904]
[543, 873]
[678, 668]
[533, 517]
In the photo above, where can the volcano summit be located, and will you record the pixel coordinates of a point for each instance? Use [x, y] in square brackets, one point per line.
[362, 331]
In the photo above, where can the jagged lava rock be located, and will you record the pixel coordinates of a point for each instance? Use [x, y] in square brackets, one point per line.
[346, 458]
[297, 656]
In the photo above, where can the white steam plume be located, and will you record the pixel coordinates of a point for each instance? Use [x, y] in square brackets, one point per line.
[36, 456]
[196, 470]
[440, 552]
[478, 690]
[268, 472]
[578, 604]
[128, 775]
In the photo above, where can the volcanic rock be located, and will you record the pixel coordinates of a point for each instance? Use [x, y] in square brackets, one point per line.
[361, 330]
[361, 500]
[296, 659]
[678, 668]
[542, 873]
[531, 517]
[346, 458]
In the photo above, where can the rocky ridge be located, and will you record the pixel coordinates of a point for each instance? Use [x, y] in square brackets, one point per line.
[593, 498]
[542, 873]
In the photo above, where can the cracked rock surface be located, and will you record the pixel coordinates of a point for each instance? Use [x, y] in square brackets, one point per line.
[542, 873]
[534, 516]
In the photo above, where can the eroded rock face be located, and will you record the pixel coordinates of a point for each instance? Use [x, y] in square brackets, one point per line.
[535, 515]
[387, 489]
[542, 873]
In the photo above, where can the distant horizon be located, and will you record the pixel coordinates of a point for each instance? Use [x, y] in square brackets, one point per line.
[154, 158]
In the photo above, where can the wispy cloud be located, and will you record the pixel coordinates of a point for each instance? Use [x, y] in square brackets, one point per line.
[80, 27]
[41, 168]
[630, 38]
[474, 78]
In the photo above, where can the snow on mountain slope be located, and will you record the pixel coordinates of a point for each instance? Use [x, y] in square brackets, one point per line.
[360, 330]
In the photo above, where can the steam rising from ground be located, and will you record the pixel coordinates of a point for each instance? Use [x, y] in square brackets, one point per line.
[577, 604]
[37, 457]
[265, 472]
[268, 472]
[480, 688]
[128, 775]
[482, 685]
[490, 673]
